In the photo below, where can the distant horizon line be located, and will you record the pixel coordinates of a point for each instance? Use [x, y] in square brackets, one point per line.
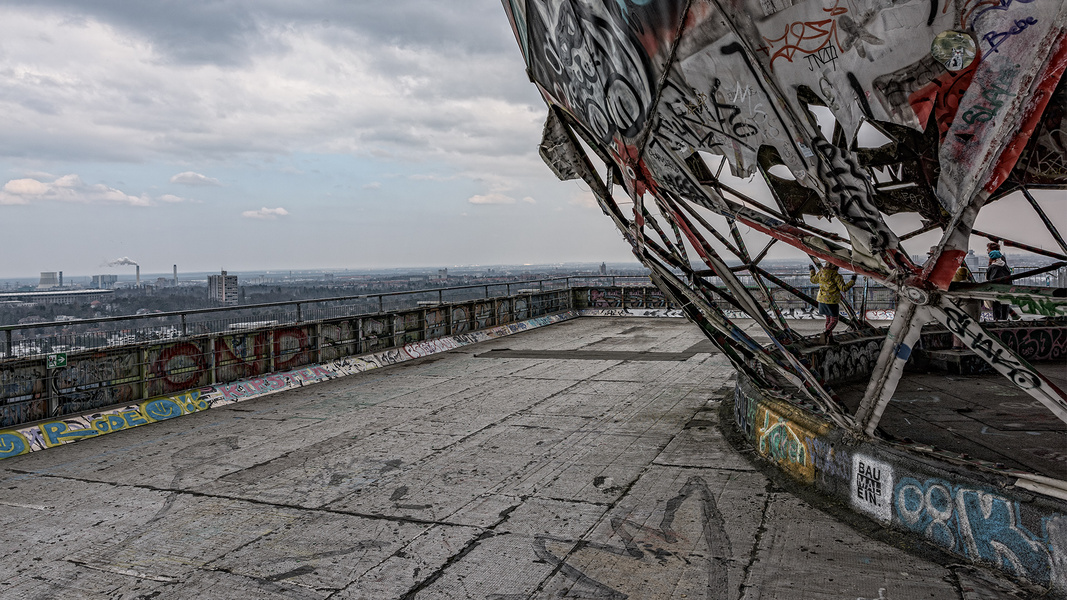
[123, 274]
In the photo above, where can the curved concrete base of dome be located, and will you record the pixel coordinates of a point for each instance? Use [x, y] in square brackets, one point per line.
[990, 518]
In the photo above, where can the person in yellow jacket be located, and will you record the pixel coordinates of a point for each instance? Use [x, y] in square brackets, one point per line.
[831, 286]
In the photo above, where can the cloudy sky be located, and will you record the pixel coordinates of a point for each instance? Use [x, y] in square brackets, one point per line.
[253, 134]
[271, 134]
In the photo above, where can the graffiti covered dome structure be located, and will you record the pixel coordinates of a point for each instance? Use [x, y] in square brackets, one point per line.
[965, 97]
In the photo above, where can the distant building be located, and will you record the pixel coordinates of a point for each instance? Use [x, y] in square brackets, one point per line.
[222, 288]
[58, 296]
[974, 263]
[603, 269]
[104, 282]
[49, 280]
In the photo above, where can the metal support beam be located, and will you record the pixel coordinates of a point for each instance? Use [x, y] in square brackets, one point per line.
[1006, 242]
[903, 333]
[1044, 219]
[1000, 357]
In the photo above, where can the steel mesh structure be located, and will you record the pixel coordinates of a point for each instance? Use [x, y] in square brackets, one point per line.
[657, 97]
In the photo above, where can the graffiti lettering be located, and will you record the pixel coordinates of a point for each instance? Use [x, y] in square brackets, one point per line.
[981, 114]
[744, 412]
[1036, 305]
[13, 443]
[992, 351]
[847, 362]
[1036, 343]
[977, 523]
[779, 442]
[827, 55]
[990, 5]
[157, 409]
[826, 459]
[420, 349]
[996, 38]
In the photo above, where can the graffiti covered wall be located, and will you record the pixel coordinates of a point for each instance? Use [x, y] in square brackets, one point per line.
[986, 521]
[128, 374]
[47, 434]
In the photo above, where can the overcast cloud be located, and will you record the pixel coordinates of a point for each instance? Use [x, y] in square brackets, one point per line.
[392, 133]
[399, 133]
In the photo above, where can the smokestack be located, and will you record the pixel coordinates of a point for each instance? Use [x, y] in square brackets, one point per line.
[175, 274]
[138, 275]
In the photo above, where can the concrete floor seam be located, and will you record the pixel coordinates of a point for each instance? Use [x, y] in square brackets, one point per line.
[295, 507]
[467, 549]
[753, 554]
[547, 484]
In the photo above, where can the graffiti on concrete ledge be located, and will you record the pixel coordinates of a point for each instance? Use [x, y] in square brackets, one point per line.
[39, 436]
[984, 526]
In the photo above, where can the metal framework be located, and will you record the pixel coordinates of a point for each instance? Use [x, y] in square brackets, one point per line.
[965, 95]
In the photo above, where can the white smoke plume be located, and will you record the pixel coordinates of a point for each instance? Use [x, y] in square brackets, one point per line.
[122, 261]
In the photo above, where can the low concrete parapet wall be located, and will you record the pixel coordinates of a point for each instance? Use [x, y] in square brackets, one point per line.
[854, 358]
[48, 434]
[982, 517]
[99, 379]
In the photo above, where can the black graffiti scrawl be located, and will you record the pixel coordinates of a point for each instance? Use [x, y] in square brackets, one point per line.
[588, 55]
[689, 545]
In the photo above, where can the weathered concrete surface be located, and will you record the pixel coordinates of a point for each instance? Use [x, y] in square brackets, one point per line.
[472, 474]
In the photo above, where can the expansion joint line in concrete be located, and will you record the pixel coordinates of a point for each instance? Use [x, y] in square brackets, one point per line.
[489, 532]
[256, 501]
[270, 582]
[609, 507]
[443, 449]
[754, 552]
[580, 541]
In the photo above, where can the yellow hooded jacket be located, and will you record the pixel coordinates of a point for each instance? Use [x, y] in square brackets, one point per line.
[831, 285]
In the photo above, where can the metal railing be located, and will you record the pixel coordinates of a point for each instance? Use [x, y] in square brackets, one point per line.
[36, 339]
[101, 333]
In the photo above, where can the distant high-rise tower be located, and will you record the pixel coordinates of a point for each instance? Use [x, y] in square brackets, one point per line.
[61, 279]
[603, 269]
[104, 281]
[222, 288]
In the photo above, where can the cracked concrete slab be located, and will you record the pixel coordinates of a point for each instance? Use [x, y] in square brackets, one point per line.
[448, 477]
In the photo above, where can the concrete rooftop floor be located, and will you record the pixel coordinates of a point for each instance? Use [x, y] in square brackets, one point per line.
[580, 460]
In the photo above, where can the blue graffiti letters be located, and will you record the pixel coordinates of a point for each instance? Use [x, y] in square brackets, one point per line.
[996, 38]
[977, 523]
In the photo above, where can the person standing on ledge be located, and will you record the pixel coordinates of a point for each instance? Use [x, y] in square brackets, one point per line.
[998, 269]
[831, 286]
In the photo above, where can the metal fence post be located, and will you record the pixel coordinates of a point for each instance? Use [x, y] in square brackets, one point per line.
[185, 330]
[299, 313]
[381, 304]
[486, 291]
[270, 351]
[316, 349]
[142, 355]
[8, 350]
[209, 360]
[53, 401]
